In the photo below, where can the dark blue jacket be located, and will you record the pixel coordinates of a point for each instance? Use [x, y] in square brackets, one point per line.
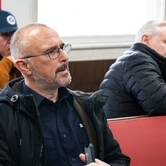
[21, 138]
[136, 83]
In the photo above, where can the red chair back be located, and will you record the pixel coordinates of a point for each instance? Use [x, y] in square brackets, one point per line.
[142, 138]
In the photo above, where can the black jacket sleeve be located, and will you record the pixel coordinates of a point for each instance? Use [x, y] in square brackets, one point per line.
[110, 151]
[5, 153]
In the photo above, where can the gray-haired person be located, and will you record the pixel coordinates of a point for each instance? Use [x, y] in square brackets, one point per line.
[136, 83]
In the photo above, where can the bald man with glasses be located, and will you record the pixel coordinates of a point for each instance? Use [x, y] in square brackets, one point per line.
[42, 122]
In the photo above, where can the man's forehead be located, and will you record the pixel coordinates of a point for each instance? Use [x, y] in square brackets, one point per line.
[161, 30]
[42, 35]
[40, 31]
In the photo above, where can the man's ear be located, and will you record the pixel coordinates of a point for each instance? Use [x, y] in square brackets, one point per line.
[23, 67]
[145, 39]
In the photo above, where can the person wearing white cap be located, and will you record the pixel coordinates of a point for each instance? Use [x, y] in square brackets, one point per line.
[8, 25]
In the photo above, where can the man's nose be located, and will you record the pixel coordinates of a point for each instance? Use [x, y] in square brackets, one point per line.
[63, 56]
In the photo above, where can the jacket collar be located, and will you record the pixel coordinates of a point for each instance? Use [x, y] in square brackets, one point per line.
[20, 102]
[149, 51]
[26, 99]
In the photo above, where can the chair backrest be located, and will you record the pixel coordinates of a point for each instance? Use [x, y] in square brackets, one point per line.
[142, 138]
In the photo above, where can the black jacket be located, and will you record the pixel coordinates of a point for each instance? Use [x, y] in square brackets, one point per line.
[21, 140]
[136, 83]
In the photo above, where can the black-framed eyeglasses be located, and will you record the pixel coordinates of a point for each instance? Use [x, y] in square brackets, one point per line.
[53, 52]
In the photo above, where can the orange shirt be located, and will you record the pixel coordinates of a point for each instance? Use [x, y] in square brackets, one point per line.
[5, 68]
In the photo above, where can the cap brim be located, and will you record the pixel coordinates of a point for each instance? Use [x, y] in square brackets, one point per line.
[6, 30]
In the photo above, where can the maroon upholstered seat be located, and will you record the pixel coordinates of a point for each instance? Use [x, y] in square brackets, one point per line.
[142, 138]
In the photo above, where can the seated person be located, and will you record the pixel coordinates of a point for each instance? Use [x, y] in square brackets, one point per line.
[8, 26]
[136, 82]
[42, 122]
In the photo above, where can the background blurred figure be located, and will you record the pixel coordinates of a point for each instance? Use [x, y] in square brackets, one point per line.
[136, 82]
[8, 26]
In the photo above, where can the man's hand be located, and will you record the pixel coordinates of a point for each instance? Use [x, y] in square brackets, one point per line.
[96, 163]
